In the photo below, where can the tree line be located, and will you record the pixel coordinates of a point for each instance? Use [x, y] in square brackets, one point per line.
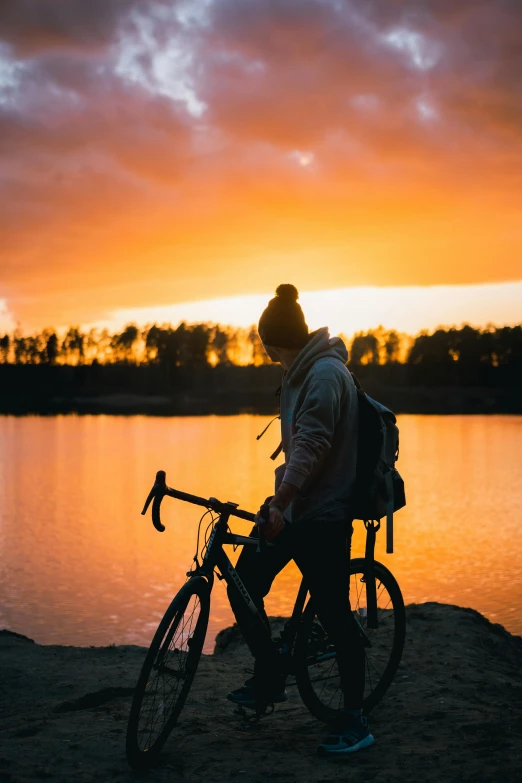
[210, 345]
[181, 346]
[467, 346]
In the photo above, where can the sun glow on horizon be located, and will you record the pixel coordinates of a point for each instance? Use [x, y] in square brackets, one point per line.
[348, 310]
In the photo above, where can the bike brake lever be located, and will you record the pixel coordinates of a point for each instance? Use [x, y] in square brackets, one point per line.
[149, 498]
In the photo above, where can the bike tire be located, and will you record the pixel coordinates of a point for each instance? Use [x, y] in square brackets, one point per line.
[313, 652]
[162, 689]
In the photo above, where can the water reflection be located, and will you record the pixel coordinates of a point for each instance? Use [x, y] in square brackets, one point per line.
[79, 565]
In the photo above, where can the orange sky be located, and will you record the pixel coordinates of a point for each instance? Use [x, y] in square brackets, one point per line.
[162, 152]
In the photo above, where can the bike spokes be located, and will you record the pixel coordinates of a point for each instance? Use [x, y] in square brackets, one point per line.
[380, 643]
[169, 672]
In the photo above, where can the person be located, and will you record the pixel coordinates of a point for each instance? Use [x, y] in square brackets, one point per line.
[308, 515]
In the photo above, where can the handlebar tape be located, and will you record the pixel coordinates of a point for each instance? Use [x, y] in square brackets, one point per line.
[160, 486]
[157, 494]
[156, 519]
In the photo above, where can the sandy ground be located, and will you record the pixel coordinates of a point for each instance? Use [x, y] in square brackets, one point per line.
[453, 714]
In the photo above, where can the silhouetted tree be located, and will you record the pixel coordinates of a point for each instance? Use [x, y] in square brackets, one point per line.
[259, 355]
[197, 345]
[123, 344]
[392, 346]
[93, 345]
[171, 347]
[178, 347]
[234, 346]
[5, 345]
[73, 345]
[52, 348]
[103, 346]
[150, 337]
[437, 348]
[20, 347]
[44, 348]
[220, 345]
[508, 345]
[364, 349]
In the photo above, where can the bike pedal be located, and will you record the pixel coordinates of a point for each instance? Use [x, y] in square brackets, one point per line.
[255, 714]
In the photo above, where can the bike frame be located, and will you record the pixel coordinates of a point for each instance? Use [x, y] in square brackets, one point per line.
[216, 557]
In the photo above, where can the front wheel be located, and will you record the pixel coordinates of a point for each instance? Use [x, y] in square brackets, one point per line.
[167, 673]
[317, 674]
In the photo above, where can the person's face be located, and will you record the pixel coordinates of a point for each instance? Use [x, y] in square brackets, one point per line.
[272, 352]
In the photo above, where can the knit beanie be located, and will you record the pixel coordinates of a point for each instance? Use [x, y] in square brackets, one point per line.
[282, 323]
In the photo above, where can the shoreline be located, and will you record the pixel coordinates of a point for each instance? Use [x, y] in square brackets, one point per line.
[164, 390]
[413, 400]
[454, 712]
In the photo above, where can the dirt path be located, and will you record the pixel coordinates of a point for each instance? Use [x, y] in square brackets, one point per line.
[453, 714]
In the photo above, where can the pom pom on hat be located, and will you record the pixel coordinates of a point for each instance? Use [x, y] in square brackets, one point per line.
[287, 292]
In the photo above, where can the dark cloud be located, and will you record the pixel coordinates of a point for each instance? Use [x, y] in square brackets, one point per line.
[317, 61]
[36, 26]
[136, 135]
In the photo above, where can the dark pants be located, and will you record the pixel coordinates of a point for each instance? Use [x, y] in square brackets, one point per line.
[322, 554]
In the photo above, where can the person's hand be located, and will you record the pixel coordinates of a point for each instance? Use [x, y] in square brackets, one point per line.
[262, 515]
[275, 523]
[270, 520]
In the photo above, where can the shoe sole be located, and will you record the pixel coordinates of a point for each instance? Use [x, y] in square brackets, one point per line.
[253, 705]
[324, 750]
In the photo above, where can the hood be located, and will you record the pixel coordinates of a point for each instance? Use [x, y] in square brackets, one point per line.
[319, 346]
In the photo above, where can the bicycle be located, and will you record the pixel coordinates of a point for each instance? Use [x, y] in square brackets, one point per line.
[172, 659]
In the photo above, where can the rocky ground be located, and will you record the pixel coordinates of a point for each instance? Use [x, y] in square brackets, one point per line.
[454, 713]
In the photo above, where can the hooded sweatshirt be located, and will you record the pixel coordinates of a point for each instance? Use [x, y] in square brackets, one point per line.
[319, 422]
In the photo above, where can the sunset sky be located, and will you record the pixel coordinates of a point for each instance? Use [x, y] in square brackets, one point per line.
[154, 154]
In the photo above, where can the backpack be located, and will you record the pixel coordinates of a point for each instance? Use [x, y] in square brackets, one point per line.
[379, 488]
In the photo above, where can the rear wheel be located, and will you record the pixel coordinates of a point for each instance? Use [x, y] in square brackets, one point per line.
[317, 674]
[167, 673]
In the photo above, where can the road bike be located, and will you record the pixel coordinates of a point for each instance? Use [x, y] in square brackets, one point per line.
[308, 657]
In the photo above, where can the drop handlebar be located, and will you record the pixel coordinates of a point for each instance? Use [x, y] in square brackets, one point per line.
[160, 489]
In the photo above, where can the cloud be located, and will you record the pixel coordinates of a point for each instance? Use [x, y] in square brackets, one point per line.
[7, 321]
[173, 150]
[422, 54]
[35, 27]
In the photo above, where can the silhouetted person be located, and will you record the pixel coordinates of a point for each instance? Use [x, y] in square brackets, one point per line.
[309, 519]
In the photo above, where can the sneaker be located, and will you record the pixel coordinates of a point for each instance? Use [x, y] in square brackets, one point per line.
[250, 696]
[351, 735]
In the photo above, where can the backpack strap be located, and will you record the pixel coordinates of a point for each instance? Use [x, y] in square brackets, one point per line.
[356, 381]
[277, 452]
[372, 526]
[279, 449]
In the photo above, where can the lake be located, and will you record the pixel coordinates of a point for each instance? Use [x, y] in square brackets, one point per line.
[79, 564]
